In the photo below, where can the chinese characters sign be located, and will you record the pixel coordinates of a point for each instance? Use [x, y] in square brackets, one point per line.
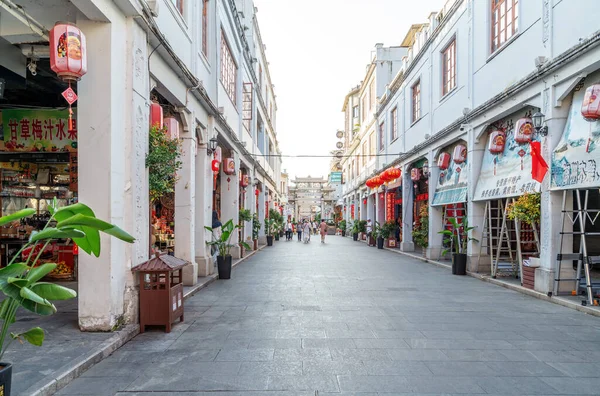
[506, 174]
[73, 171]
[576, 158]
[37, 131]
[389, 205]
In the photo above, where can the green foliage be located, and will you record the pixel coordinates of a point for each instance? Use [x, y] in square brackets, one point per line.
[20, 282]
[420, 233]
[245, 215]
[270, 226]
[163, 162]
[458, 236]
[222, 242]
[527, 208]
[318, 217]
[387, 229]
[362, 225]
[342, 225]
[255, 226]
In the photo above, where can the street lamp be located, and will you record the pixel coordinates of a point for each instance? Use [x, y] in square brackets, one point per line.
[538, 123]
[212, 146]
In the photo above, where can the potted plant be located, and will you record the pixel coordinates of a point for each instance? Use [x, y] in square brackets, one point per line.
[269, 228]
[21, 282]
[342, 227]
[244, 216]
[527, 209]
[355, 230]
[379, 234]
[420, 232]
[362, 229]
[255, 230]
[387, 232]
[458, 237]
[222, 244]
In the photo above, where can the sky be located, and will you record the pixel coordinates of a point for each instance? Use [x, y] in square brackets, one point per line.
[318, 50]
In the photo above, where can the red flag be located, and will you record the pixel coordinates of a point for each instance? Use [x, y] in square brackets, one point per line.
[539, 167]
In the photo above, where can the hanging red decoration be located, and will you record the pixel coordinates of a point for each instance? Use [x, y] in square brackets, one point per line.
[497, 142]
[377, 181]
[365, 201]
[156, 115]
[369, 183]
[524, 130]
[443, 161]
[228, 180]
[590, 108]
[68, 53]
[521, 154]
[245, 180]
[460, 154]
[229, 166]
[396, 173]
[256, 192]
[215, 165]
[172, 126]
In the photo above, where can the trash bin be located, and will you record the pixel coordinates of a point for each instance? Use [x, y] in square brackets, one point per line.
[161, 291]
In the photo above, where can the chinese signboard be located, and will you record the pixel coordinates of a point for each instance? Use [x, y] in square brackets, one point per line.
[73, 171]
[389, 206]
[452, 183]
[507, 174]
[576, 158]
[37, 131]
[335, 177]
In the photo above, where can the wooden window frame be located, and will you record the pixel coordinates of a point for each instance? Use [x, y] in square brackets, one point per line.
[449, 68]
[228, 75]
[205, 27]
[415, 93]
[394, 128]
[503, 29]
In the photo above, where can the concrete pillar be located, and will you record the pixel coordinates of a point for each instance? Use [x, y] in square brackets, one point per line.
[230, 209]
[371, 206]
[203, 207]
[476, 210]
[185, 206]
[113, 130]
[434, 249]
[363, 208]
[407, 244]
[380, 207]
[247, 197]
[262, 236]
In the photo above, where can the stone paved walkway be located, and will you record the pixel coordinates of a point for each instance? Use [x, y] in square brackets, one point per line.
[344, 318]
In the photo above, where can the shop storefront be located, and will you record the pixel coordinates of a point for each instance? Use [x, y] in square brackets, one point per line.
[451, 189]
[419, 176]
[576, 178]
[506, 173]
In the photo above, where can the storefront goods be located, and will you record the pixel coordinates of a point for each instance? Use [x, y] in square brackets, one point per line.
[20, 281]
[443, 161]
[415, 174]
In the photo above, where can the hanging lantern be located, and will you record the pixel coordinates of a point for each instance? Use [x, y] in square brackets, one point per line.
[256, 192]
[590, 108]
[497, 142]
[68, 55]
[365, 201]
[521, 154]
[415, 174]
[460, 154]
[377, 182]
[215, 165]
[172, 126]
[156, 115]
[396, 173]
[245, 180]
[443, 161]
[229, 166]
[524, 130]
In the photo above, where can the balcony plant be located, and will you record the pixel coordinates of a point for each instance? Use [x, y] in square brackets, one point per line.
[21, 282]
[223, 245]
[457, 238]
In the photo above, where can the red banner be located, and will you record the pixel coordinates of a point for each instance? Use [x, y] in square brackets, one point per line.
[389, 205]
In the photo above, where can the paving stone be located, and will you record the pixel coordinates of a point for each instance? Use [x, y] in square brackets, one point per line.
[245, 355]
[271, 368]
[275, 343]
[319, 383]
[333, 343]
[388, 343]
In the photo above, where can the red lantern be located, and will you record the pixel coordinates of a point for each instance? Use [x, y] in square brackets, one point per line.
[364, 201]
[524, 130]
[68, 54]
[396, 173]
[156, 115]
[386, 176]
[590, 108]
[415, 174]
[229, 167]
[215, 165]
[377, 181]
[369, 184]
[460, 154]
[172, 126]
[245, 181]
[256, 192]
[497, 142]
[443, 161]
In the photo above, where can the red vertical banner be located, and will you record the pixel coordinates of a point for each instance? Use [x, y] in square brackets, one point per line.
[389, 205]
[352, 211]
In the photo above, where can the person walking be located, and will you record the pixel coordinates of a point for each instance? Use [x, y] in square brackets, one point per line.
[314, 226]
[288, 231]
[323, 229]
[299, 230]
[306, 232]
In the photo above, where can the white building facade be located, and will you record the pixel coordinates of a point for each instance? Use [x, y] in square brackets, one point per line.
[204, 62]
[474, 71]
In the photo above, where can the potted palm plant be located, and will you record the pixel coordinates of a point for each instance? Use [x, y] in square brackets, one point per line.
[387, 232]
[221, 242]
[342, 227]
[21, 282]
[362, 229]
[355, 230]
[458, 237]
[269, 228]
[255, 230]
[379, 235]
[244, 216]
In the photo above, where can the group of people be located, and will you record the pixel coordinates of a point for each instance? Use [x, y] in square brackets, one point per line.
[304, 229]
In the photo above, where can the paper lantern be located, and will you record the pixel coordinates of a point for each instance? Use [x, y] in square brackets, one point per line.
[256, 192]
[460, 154]
[386, 176]
[172, 126]
[156, 115]
[245, 180]
[497, 142]
[590, 108]
[524, 130]
[229, 166]
[443, 161]
[415, 174]
[369, 183]
[364, 201]
[396, 173]
[377, 181]
[215, 165]
[68, 55]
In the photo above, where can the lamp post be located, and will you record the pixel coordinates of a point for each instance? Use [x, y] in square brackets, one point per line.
[539, 120]
[212, 146]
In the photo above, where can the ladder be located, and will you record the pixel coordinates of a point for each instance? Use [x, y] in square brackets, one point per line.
[580, 214]
[506, 260]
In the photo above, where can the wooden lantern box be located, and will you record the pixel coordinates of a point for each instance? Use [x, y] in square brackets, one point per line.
[161, 291]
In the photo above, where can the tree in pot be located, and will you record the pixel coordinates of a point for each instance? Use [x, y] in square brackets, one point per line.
[342, 227]
[269, 229]
[362, 228]
[379, 234]
[387, 232]
[20, 280]
[244, 216]
[355, 230]
[458, 237]
[221, 242]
